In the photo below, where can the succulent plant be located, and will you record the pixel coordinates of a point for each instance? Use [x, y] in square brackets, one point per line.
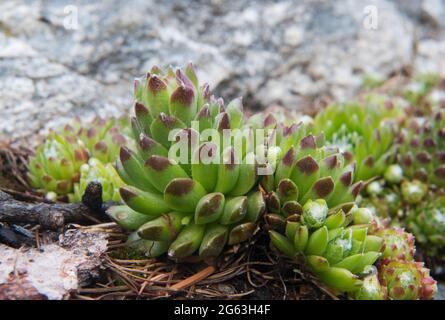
[186, 195]
[398, 244]
[172, 100]
[105, 174]
[102, 137]
[385, 201]
[315, 216]
[397, 280]
[363, 131]
[196, 204]
[305, 171]
[336, 248]
[392, 195]
[371, 288]
[56, 167]
[399, 276]
[427, 222]
[310, 201]
[421, 152]
[407, 280]
[410, 204]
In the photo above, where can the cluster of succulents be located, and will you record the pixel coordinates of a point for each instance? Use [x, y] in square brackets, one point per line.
[363, 131]
[400, 275]
[98, 171]
[200, 203]
[312, 214]
[427, 222]
[411, 190]
[421, 149]
[189, 197]
[412, 204]
[335, 249]
[77, 154]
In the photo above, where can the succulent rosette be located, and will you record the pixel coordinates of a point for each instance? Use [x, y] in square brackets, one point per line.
[398, 244]
[196, 176]
[305, 171]
[371, 288]
[364, 131]
[397, 276]
[193, 204]
[102, 137]
[410, 204]
[397, 280]
[311, 212]
[105, 174]
[354, 252]
[421, 151]
[56, 167]
[407, 280]
[335, 243]
[427, 222]
[386, 202]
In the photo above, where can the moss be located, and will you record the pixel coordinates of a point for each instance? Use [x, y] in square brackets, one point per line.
[127, 253]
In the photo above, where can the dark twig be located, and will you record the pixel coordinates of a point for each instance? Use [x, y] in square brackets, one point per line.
[92, 197]
[14, 239]
[53, 216]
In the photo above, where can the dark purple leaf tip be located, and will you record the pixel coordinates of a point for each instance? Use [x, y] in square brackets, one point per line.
[289, 157]
[308, 142]
[346, 178]
[168, 121]
[183, 95]
[356, 188]
[224, 122]
[307, 165]
[126, 194]
[125, 154]
[101, 147]
[158, 163]
[180, 187]
[155, 84]
[323, 187]
[331, 162]
[423, 157]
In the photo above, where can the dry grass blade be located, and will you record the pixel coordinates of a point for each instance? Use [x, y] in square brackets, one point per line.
[13, 161]
[201, 275]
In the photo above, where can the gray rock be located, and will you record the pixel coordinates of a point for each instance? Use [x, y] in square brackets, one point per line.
[435, 9]
[272, 52]
[426, 12]
[428, 19]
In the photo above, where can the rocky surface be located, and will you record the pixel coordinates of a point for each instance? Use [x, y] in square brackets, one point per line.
[54, 66]
[53, 271]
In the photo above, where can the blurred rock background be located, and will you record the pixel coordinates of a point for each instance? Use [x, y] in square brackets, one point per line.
[293, 53]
